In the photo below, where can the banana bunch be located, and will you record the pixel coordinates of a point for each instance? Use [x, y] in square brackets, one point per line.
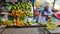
[7, 23]
[28, 23]
[20, 13]
[22, 6]
[28, 6]
[28, 13]
[18, 22]
[12, 13]
[17, 13]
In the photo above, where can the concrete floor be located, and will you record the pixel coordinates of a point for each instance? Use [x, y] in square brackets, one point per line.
[21, 31]
[1, 30]
[57, 30]
[27, 31]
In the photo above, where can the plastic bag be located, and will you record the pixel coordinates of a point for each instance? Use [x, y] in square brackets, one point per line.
[57, 15]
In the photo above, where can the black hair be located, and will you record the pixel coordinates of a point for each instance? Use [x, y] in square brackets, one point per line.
[45, 8]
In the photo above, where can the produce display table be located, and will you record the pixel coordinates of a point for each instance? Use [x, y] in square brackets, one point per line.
[27, 26]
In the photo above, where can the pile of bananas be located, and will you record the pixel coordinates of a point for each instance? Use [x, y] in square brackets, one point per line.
[17, 13]
[28, 13]
[5, 22]
[20, 13]
[22, 6]
[21, 9]
[28, 23]
[15, 22]
[18, 22]
[12, 13]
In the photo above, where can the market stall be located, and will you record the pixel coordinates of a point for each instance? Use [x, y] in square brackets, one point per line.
[16, 13]
[20, 14]
[25, 14]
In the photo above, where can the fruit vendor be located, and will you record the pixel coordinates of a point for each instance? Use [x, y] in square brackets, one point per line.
[47, 12]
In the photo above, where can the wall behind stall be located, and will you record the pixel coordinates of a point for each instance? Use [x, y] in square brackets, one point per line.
[57, 4]
[44, 2]
[41, 1]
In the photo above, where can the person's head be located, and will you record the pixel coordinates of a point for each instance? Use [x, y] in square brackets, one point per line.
[46, 7]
